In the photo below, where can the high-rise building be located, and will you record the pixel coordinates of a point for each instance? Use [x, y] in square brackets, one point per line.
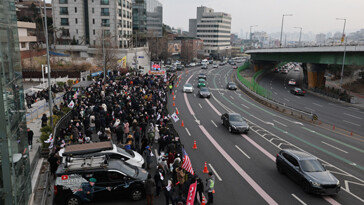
[88, 22]
[15, 185]
[214, 29]
[193, 27]
[148, 17]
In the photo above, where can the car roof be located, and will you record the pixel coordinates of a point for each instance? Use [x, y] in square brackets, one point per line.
[299, 155]
[78, 149]
[188, 84]
[233, 113]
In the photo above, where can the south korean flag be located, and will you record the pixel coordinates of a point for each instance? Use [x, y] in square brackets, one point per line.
[174, 117]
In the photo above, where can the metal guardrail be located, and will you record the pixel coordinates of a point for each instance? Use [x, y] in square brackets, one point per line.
[275, 105]
[35, 113]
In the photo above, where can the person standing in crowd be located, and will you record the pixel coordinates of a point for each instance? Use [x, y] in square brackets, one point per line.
[149, 189]
[210, 188]
[159, 179]
[170, 88]
[126, 128]
[30, 137]
[199, 189]
[147, 153]
[44, 120]
[168, 193]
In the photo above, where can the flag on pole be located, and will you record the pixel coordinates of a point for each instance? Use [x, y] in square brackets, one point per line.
[71, 104]
[122, 62]
[191, 194]
[343, 38]
[186, 164]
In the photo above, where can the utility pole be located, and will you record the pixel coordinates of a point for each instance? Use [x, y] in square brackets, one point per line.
[50, 100]
[103, 51]
[280, 40]
[343, 40]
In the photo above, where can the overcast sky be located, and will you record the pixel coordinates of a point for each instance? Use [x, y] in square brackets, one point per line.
[313, 15]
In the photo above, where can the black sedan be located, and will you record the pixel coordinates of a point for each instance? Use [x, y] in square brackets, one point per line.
[231, 86]
[235, 123]
[297, 91]
[307, 171]
[202, 76]
[204, 92]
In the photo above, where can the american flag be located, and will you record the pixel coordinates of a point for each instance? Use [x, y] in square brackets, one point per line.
[186, 164]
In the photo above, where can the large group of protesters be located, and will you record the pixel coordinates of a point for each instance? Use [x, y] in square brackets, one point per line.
[31, 98]
[131, 111]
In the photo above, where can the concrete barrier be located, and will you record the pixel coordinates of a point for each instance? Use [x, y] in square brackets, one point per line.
[310, 117]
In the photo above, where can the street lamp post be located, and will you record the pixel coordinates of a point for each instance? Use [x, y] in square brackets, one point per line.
[50, 100]
[299, 40]
[103, 51]
[344, 40]
[280, 40]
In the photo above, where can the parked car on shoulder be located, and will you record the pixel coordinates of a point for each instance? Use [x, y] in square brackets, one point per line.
[235, 123]
[307, 171]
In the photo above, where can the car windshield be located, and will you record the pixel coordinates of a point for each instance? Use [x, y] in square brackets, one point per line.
[125, 152]
[201, 80]
[128, 169]
[188, 85]
[204, 90]
[231, 83]
[235, 118]
[298, 89]
[312, 165]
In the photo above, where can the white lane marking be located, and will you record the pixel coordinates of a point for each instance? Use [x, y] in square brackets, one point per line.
[299, 123]
[245, 106]
[280, 123]
[310, 109]
[317, 104]
[231, 97]
[213, 123]
[195, 95]
[275, 93]
[298, 199]
[200, 105]
[242, 151]
[334, 147]
[218, 177]
[297, 97]
[351, 123]
[352, 116]
[188, 132]
[286, 99]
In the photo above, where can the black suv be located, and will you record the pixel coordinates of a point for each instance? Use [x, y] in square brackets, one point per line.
[235, 123]
[81, 180]
[307, 171]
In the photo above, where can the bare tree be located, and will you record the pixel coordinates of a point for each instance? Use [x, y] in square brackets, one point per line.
[110, 50]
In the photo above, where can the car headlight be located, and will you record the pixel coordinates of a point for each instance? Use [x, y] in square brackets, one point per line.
[315, 184]
[233, 126]
[338, 183]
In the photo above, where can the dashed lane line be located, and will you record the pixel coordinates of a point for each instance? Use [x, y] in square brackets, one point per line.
[353, 116]
[213, 123]
[334, 147]
[280, 123]
[200, 105]
[188, 132]
[298, 199]
[351, 123]
[216, 174]
[242, 151]
[245, 106]
[317, 104]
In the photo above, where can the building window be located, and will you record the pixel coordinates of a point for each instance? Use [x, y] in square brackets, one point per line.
[105, 22]
[63, 11]
[64, 22]
[63, 1]
[119, 2]
[65, 32]
[105, 12]
[77, 31]
[124, 13]
[104, 2]
[124, 24]
[94, 42]
[107, 32]
[93, 31]
[23, 45]
[75, 9]
[76, 20]
[124, 3]
[93, 21]
[120, 12]
[93, 10]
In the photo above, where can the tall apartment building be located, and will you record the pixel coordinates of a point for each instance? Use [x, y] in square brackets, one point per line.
[148, 17]
[85, 22]
[214, 28]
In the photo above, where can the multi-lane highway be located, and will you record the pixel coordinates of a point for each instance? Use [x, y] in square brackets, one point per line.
[348, 118]
[244, 165]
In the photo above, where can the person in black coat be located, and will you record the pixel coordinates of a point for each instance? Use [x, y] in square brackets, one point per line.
[44, 120]
[30, 137]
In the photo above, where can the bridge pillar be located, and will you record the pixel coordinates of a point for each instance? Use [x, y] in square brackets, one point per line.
[315, 75]
[259, 65]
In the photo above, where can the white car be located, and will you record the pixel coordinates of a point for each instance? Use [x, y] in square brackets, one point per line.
[296, 69]
[101, 148]
[215, 66]
[192, 64]
[188, 88]
[292, 82]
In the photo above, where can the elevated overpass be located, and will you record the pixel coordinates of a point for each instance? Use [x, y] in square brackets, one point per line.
[315, 59]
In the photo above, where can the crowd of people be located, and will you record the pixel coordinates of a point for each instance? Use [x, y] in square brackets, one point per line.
[31, 98]
[132, 111]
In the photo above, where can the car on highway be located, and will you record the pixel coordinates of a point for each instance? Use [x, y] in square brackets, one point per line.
[215, 65]
[235, 67]
[102, 148]
[297, 68]
[204, 93]
[231, 86]
[307, 171]
[188, 88]
[110, 177]
[202, 76]
[292, 82]
[284, 71]
[179, 67]
[201, 83]
[235, 123]
[221, 63]
[192, 64]
[298, 91]
[204, 66]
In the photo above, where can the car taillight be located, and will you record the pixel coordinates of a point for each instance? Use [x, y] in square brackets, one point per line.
[55, 190]
[304, 91]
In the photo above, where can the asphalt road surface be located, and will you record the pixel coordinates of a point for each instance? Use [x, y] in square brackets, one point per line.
[244, 165]
[350, 119]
